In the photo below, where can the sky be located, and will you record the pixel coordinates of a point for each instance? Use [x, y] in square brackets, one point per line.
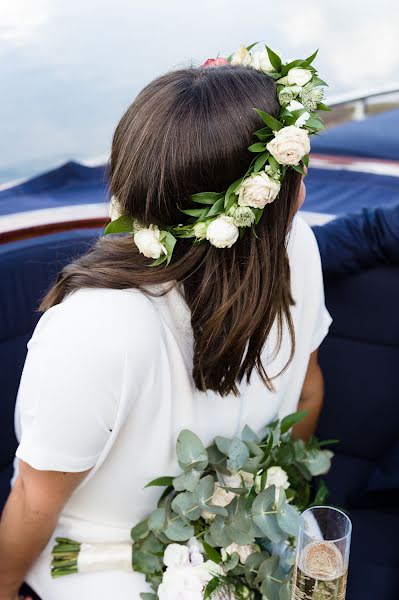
[69, 69]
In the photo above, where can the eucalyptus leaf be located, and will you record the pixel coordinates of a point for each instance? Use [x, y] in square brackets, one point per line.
[267, 568]
[156, 520]
[238, 454]
[187, 481]
[205, 491]
[288, 517]
[190, 451]
[177, 530]
[186, 505]
[318, 462]
[140, 531]
[264, 514]
[218, 532]
[252, 565]
[248, 435]
[231, 563]
[148, 596]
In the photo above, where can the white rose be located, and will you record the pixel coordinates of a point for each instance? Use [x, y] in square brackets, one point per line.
[176, 555]
[241, 57]
[222, 497]
[298, 76]
[181, 583]
[194, 545]
[114, 210]
[289, 145]
[258, 190]
[196, 558]
[301, 120]
[278, 477]
[242, 551]
[222, 232]
[235, 481]
[260, 61]
[147, 241]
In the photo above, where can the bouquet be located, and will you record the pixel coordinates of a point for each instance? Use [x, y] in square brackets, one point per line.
[226, 527]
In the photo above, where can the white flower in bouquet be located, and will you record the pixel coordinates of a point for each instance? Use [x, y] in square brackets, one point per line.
[187, 582]
[274, 476]
[235, 481]
[222, 497]
[194, 545]
[222, 232]
[176, 555]
[258, 190]
[298, 76]
[180, 583]
[148, 242]
[242, 551]
[278, 477]
[241, 57]
[261, 62]
[289, 145]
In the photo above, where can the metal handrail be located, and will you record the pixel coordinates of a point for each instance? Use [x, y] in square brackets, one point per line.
[360, 100]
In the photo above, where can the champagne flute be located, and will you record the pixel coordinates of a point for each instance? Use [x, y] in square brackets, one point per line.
[322, 557]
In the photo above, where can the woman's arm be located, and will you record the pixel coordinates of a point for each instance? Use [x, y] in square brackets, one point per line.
[311, 400]
[28, 520]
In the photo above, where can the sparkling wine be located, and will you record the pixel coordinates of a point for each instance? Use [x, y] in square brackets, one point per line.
[320, 573]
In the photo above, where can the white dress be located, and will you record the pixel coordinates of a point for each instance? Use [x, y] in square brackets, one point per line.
[107, 384]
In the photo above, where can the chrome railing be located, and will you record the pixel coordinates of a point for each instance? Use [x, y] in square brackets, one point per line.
[359, 101]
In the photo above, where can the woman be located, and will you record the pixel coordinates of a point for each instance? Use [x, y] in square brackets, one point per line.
[126, 356]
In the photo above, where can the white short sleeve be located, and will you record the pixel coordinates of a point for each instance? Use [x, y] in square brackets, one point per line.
[70, 389]
[306, 257]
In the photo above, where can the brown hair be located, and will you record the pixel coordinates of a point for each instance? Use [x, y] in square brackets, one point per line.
[188, 132]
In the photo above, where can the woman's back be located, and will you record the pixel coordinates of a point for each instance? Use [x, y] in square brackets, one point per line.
[116, 389]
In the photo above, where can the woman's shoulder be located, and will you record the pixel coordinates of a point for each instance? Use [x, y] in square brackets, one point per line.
[302, 245]
[100, 316]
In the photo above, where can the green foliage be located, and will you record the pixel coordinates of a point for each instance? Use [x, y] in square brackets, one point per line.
[266, 518]
[123, 224]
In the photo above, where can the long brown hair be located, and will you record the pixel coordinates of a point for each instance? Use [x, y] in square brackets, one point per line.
[188, 132]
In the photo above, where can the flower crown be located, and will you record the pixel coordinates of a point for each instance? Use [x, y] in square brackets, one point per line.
[283, 143]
